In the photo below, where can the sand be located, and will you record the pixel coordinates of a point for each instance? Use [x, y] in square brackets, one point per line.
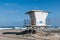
[37, 36]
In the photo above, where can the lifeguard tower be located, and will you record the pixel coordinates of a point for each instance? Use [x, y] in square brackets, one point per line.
[38, 18]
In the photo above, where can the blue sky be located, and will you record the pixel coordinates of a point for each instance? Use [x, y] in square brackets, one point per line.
[12, 12]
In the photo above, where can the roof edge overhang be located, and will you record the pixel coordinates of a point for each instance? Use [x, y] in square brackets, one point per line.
[37, 11]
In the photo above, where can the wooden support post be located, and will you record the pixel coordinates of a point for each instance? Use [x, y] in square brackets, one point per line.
[32, 28]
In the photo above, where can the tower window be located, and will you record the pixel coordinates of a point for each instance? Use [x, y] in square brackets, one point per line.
[41, 22]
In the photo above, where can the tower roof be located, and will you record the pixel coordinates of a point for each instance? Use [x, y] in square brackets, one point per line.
[37, 11]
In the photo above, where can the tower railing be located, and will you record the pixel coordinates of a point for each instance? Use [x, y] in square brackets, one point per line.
[27, 22]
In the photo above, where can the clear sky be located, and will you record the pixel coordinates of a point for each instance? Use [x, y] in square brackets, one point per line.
[12, 12]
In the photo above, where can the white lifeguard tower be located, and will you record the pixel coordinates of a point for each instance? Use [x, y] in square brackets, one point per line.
[38, 18]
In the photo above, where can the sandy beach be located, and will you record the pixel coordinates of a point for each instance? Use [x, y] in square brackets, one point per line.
[11, 35]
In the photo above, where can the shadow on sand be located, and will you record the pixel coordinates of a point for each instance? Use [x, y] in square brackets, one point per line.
[21, 33]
